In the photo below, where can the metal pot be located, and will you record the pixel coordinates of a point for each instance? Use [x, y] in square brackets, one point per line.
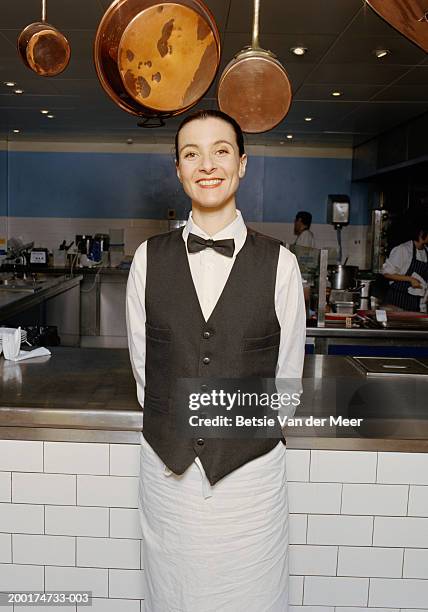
[156, 59]
[343, 277]
[254, 87]
[364, 287]
[43, 48]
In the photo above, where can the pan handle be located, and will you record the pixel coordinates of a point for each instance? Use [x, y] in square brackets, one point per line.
[256, 20]
[151, 122]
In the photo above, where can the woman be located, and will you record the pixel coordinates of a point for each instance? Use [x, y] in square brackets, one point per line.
[407, 270]
[214, 299]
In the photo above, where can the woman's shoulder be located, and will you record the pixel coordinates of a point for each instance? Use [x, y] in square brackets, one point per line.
[270, 240]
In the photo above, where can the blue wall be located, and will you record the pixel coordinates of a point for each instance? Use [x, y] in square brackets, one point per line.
[3, 183]
[142, 185]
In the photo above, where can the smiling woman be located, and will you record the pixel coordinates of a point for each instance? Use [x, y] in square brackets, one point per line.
[213, 299]
[210, 160]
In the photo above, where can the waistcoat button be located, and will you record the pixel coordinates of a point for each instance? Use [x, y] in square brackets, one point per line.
[200, 441]
[206, 334]
[206, 360]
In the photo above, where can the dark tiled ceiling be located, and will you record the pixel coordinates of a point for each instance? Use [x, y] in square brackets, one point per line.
[340, 36]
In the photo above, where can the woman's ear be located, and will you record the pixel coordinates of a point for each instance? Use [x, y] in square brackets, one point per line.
[242, 165]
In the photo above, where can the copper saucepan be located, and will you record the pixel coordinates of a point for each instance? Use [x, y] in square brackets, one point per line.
[43, 48]
[156, 59]
[254, 87]
[409, 17]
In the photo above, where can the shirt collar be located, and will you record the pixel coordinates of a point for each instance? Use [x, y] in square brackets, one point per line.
[236, 230]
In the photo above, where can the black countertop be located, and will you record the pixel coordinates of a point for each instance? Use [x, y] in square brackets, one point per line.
[90, 395]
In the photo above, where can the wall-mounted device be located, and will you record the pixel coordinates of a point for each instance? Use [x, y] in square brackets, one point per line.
[338, 208]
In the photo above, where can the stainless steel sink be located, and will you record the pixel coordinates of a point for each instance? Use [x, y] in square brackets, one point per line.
[18, 284]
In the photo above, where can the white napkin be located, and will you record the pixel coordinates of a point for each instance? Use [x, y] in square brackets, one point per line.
[41, 351]
[420, 291]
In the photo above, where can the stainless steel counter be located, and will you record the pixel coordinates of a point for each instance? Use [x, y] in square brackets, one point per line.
[14, 302]
[90, 395]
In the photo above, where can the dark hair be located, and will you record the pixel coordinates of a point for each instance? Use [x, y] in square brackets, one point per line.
[418, 226]
[204, 114]
[305, 218]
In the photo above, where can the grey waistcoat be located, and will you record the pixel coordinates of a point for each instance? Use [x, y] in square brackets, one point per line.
[240, 339]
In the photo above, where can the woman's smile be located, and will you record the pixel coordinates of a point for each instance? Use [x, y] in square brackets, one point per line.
[209, 183]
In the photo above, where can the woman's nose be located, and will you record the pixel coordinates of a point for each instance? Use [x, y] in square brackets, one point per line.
[207, 163]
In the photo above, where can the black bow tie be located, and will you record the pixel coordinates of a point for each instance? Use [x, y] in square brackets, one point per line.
[196, 243]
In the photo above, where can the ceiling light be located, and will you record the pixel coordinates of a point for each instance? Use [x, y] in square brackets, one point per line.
[16, 131]
[9, 83]
[44, 112]
[18, 91]
[298, 50]
[289, 136]
[336, 94]
[308, 118]
[50, 116]
[381, 53]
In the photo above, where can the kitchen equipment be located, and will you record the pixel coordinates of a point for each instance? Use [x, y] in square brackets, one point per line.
[391, 366]
[345, 308]
[338, 215]
[104, 240]
[39, 257]
[83, 243]
[156, 59]
[43, 48]
[254, 87]
[364, 288]
[409, 17]
[379, 235]
[343, 277]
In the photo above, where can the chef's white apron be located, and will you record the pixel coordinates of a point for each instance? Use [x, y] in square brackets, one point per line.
[221, 548]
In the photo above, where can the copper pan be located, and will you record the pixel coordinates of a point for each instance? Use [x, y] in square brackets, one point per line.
[409, 17]
[254, 87]
[156, 59]
[43, 48]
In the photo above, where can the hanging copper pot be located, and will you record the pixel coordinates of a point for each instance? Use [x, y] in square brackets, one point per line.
[409, 17]
[254, 87]
[43, 48]
[156, 59]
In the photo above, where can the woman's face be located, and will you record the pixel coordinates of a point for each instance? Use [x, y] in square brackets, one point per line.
[209, 166]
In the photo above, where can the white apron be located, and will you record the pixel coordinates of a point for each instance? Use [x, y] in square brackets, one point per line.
[221, 548]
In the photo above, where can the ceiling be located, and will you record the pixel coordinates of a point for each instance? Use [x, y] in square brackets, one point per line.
[340, 36]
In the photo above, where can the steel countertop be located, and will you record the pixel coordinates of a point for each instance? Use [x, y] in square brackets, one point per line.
[89, 394]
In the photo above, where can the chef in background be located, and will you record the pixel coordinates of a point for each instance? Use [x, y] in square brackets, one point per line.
[304, 236]
[407, 270]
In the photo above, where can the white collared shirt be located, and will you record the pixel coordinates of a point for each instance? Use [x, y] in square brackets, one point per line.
[306, 239]
[401, 257]
[210, 271]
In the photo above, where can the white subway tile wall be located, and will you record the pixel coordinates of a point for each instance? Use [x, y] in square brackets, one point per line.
[5, 546]
[51, 231]
[358, 527]
[5, 486]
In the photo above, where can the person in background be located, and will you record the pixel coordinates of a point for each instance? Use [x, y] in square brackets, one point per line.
[407, 270]
[212, 299]
[304, 236]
